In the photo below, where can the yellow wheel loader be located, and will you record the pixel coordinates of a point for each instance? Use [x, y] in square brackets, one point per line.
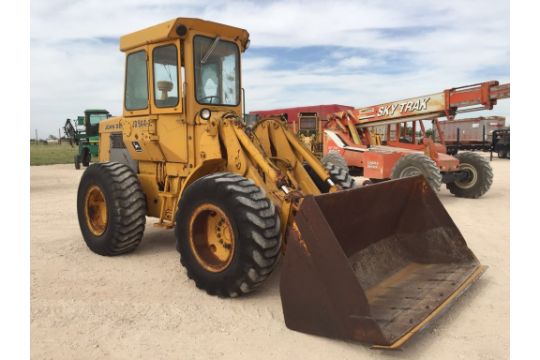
[371, 264]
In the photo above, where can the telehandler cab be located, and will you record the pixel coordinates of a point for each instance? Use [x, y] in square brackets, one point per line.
[240, 199]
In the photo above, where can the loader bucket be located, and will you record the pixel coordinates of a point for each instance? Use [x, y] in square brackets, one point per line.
[373, 264]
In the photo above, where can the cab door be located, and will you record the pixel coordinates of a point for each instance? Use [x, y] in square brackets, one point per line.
[167, 100]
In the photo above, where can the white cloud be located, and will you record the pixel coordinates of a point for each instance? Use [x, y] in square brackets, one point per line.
[354, 62]
[442, 44]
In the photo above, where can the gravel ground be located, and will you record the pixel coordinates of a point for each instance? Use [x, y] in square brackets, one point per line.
[142, 305]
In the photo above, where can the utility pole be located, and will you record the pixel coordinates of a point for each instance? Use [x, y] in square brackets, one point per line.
[37, 140]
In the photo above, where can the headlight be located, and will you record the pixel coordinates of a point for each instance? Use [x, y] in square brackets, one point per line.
[205, 114]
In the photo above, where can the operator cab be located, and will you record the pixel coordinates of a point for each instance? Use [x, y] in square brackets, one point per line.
[184, 55]
[92, 118]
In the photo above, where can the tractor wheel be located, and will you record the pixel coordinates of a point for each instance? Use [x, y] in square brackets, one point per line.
[86, 157]
[228, 234]
[111, 208]
[77, 160]
[338, 175]
[479, 180]
[502, 154]
[418, 164]
[336, 159]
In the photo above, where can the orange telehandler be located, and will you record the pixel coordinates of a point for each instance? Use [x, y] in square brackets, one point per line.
[402, 145]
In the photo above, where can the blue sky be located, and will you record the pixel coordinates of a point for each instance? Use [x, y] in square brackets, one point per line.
[355, 53]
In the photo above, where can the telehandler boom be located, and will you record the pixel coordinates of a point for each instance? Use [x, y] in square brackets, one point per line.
[240, 199]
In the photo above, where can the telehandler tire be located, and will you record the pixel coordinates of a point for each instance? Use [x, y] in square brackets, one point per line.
[338, 175]
[336, 159]
[418, 164]
[480, 176]
[86, 157]
[228, 234]
[111, 208]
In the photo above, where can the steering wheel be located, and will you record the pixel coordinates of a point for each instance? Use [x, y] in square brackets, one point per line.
[210, 97]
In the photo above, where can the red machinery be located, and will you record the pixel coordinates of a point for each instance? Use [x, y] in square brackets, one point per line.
[407, 147]
[292, 114]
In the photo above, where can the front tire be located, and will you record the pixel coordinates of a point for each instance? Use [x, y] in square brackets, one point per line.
[418, 164]
[228, 234]
[86, 157]
[77, 161]
[479, 180]
[111, 208]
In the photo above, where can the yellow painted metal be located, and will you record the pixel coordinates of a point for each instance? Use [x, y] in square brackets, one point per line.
[375, 138]
[166, 31]
[95, 210]
[353, 131]
[175, 146]
[211, 238]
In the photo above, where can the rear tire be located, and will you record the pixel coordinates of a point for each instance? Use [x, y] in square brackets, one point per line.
[252, 223]
[503, 154]
[418, 164]
[480, 176]
[112, 190]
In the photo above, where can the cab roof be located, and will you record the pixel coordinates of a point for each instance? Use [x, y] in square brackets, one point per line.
[167, 30]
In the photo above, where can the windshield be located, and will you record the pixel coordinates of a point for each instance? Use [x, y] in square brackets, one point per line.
[217, 73]
[96, 118]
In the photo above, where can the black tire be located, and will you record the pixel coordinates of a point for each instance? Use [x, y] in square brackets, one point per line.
[337, 174]
[340, 176]
[255, 226]
[480, 180]
[77, 160]
[86, 157]
[336, 159]
[418, 164]
[126, 208]
[503, 154]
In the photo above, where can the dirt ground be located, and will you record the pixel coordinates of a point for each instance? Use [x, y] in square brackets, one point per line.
[142, 305]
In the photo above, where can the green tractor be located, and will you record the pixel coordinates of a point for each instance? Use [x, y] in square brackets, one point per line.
[84, 132]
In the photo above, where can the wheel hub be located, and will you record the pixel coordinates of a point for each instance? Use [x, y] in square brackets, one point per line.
[211, 238]
[410, 171]
[470, 180]
[95, 210]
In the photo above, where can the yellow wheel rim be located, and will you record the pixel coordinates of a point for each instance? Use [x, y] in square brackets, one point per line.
[211, 238]
[95, 210]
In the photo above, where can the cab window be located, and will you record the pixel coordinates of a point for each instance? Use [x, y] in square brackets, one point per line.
[136, 81]
[96, 118]
[165, 76]
[217, 71]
